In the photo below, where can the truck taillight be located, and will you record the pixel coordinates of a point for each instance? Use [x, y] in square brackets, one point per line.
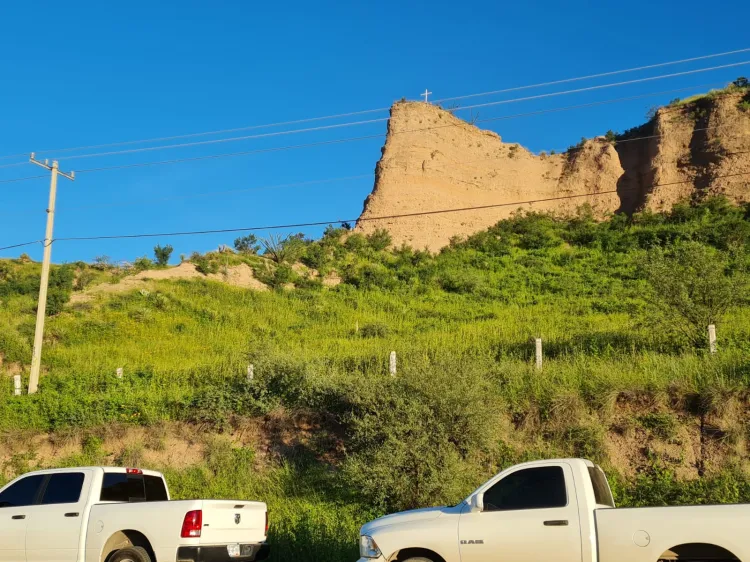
[192, 524]
[266, 522]
[133, 471]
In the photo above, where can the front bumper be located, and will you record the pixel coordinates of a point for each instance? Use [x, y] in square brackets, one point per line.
[219, 554]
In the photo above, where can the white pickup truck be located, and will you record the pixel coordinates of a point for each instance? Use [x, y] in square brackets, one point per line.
[101, 514]
[557, 511]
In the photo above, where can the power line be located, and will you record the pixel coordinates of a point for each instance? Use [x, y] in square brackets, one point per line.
[142, 201]
[21, 245]
[504, 117]
[14, 164]
[603, 86]
[379, 120]
[362, 219]
[335, 141]
[363, 112]
[230, 154]
[22, 179]
[215, 193]
[592, 76]
[232, 139]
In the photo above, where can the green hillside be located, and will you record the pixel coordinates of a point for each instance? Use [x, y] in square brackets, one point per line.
[330, 439]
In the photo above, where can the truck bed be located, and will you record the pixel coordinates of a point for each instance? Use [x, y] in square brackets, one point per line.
[161, 523]
[651, 533]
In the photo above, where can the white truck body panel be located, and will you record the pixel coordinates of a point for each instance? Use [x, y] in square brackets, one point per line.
[84, 530]
[572, 528]
[667, 527]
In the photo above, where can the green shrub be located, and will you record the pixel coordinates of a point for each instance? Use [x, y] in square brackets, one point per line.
[375, 330]
[282, 275]
[84, 278]
[662, 425]
[355, 242]
[204, 264]
[143, 264]
[56, 301]
[379, 240]
[419, 439]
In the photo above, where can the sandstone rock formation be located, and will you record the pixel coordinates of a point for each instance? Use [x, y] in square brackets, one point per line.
[434, 161]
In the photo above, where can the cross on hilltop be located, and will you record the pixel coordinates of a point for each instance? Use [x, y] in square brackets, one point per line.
[426, 93]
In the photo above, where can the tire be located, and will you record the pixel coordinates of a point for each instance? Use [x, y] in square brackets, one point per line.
[131, 554]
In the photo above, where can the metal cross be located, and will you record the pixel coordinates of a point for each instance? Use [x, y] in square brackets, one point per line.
[426, 93]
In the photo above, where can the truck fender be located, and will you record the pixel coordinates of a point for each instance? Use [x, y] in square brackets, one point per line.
[123, 539]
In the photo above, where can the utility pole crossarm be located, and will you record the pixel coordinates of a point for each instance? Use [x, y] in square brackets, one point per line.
[36, 359]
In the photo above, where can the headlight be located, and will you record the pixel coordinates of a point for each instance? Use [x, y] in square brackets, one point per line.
[368, 548]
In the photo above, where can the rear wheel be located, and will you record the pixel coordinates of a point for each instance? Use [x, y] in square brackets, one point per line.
[131, 554]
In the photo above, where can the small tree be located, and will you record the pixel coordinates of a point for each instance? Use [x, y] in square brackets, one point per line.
[611, 136]
[691, 288]
[162, 254]
[247, 244]
[280, 250]
[102, 263]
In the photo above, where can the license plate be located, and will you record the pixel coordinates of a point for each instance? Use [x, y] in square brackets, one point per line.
[234, 550]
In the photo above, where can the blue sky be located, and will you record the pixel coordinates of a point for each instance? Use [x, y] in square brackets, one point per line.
[84, 73]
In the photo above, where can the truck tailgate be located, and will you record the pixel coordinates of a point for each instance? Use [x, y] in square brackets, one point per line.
[230, 521]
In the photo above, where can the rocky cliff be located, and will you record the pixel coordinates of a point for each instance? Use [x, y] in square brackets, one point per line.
[434, 161]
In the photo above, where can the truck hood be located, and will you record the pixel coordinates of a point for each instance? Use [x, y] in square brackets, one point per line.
[412, 516]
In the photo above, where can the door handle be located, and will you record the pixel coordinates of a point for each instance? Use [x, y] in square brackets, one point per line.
[556, 523]
[18, 517]
[72, 514]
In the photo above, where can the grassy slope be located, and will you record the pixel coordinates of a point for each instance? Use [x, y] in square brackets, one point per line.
[610, 381]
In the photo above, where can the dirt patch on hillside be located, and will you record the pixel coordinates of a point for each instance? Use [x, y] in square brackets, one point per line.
[241, 275]
[10, 368]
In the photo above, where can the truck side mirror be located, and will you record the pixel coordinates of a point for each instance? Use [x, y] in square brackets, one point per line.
[477, 503]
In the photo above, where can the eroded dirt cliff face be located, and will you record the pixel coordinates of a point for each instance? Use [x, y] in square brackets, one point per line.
[434, 161]
[695, 150]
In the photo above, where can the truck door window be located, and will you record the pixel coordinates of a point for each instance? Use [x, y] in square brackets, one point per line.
[531, 488]
[63, 488]
[22, 493]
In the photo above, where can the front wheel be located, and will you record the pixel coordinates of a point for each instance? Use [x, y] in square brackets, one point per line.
[131, 554]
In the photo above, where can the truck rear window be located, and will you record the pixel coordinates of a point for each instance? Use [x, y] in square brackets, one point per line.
[122, 487]
[602, 493]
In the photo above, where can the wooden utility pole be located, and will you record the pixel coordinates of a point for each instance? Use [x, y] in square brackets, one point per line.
[36, 359]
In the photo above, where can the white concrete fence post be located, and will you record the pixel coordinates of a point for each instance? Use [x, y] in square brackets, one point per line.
[250, 372]
[119, 372]
[17, 385]
[712, 338]
[539, 353]
[392, 364]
